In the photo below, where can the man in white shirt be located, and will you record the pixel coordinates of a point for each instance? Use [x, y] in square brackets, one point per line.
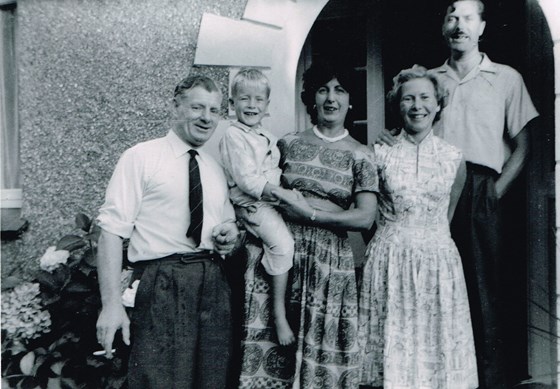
[181, 320]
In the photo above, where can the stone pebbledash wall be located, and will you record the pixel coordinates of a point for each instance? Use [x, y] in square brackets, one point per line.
[94, 78]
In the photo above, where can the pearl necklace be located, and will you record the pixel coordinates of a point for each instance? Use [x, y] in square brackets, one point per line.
[328, 139]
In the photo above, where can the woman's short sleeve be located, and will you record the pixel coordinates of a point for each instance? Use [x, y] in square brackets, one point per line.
[365, 171]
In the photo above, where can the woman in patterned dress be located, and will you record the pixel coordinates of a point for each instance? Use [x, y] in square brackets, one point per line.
[415, 325]
[335, 181]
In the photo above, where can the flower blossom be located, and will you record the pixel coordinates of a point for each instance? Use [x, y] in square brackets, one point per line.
[129, 294]
[126, 275]
[53, 258]
[22, 317]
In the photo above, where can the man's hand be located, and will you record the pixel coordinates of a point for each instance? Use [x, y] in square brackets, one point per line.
[515, 163]
[225, 237]
[110, 320]
[388, 136]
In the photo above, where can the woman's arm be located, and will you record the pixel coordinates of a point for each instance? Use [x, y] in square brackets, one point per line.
[361, 217]
[457, 189]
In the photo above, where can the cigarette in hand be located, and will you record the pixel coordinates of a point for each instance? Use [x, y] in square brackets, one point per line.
[102, 352]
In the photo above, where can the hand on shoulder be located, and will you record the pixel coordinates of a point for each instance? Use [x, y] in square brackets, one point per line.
[388, 137]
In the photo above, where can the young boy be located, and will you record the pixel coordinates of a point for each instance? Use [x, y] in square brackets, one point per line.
[250, 158]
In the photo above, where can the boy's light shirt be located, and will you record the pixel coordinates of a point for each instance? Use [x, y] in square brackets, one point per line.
[250, 158]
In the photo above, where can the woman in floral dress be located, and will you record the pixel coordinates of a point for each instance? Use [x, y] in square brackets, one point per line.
[335, 181]
[415, 325]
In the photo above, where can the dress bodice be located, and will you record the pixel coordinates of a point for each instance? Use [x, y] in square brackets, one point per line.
[415, 181]
[332, 172]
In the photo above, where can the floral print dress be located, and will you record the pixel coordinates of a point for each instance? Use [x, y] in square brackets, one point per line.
[415, 324]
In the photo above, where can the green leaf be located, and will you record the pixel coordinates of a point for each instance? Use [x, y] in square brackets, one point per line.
[49, 298]
[68, 337]
[11, 282]
[17, 348]
[29, 383]
[69, 383]
[95, 361]
[63, 274]
[40, 351]
[27, 362]
[57, 367]
[47, 280]
[56, 280]
[94, 234]
[39, 360]
[83, 222]
[90, 259]
[70, 243]
[73, 261]
[86, 269]
[54, 383]
[77, 287]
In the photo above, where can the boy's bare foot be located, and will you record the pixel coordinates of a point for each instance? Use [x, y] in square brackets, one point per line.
[284, 332]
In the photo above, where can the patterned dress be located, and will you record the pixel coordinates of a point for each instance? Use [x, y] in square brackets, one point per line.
[322, 298]
[415, 324]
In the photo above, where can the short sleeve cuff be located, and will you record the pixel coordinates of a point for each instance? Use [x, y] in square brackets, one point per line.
[366, 174]
[113, 225]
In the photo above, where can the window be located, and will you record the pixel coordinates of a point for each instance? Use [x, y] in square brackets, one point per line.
[9, 129]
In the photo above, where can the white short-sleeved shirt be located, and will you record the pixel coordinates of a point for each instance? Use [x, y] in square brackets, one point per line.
[486, 107]
[147, 199]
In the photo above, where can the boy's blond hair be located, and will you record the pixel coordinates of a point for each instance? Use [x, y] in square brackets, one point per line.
[249, 76]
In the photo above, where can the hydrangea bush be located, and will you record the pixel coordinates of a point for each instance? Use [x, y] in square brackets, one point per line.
[48, 324]
[22, 314]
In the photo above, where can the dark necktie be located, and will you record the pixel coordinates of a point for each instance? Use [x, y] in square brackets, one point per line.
[195, 198]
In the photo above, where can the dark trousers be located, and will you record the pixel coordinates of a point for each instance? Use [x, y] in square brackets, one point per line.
[476, 231]
[181, 324]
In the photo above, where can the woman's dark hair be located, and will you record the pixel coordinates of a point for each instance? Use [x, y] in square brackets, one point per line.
[405, 75]
[319, 74]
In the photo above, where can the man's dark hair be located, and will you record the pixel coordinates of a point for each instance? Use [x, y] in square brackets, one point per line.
[481, 7]
[193, 81]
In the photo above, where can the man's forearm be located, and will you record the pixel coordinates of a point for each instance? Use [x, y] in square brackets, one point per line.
[514, 165]
[109, 267]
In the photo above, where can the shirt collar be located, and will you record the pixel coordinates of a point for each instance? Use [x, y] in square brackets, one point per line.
[486, 65]
[244, 127]
[259, 130]
[409, 139]
[178, 146]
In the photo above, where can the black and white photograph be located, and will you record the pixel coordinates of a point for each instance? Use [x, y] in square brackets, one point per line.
[280, 194]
